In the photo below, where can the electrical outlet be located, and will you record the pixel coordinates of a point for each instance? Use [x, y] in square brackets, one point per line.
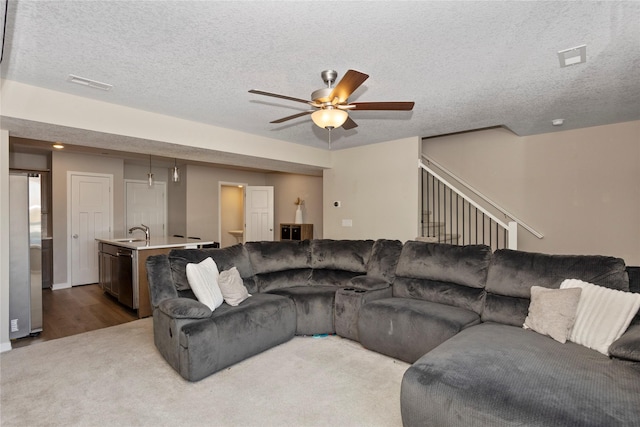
[14, 325]
[347, 223]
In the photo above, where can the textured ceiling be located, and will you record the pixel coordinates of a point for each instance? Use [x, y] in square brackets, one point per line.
[467, 65]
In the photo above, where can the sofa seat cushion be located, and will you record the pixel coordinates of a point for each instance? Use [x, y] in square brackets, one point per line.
[233, 334]
[493, 374]
[314, 308]
[407, 328]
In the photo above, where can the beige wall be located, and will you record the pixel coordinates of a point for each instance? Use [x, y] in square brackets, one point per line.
[140, 173]
[580, 188]
[287, 189]
[26, 102]
[61, 163]
[177, 205]
[378, 186]
[202, 197]
[28, 161]
[192, 208]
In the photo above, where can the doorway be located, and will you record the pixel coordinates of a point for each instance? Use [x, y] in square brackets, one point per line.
[231, 213]
[258, 213]
[89, 217]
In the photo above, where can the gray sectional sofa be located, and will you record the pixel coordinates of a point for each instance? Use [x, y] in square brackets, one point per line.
[454, 312]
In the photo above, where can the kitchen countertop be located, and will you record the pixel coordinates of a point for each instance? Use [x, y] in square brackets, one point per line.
[156, 242]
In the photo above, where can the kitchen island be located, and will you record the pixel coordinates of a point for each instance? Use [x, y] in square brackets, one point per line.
[122, 267]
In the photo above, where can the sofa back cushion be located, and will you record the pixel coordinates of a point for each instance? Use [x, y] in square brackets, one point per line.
[225, 258]
[384, 259]
[442, 273]
[336, 262]
[347, 255]
[512, 273]
[280, 264]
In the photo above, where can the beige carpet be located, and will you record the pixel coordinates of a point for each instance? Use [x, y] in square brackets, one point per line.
[116, 377]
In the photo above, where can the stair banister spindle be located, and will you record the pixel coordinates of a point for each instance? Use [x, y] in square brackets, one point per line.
[476, 225]
[463, 233]
[450, 212]
[457, 217]
[439, 206]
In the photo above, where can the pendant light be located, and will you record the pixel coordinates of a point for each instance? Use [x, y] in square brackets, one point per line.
[175, 174]
[150, 175]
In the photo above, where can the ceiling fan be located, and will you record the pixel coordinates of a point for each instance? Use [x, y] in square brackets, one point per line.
[331, 103]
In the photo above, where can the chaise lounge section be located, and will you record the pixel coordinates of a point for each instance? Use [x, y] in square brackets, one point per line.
[497, 373]
[455, 312]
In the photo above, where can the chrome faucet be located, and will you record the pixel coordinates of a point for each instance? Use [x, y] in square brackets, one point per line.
[142, 228]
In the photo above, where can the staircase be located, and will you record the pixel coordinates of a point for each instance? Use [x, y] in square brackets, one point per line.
[450, 215]
[436, 232]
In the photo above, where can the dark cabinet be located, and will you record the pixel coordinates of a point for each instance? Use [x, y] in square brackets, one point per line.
[47, 263]
[116, 272]
[296, 231]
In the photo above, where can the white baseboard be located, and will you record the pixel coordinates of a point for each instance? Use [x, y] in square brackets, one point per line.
[5, 346]
[58, 286]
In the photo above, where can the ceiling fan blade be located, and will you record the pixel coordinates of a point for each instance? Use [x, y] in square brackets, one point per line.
[395, 106]
[349, 124]
[284, 119]
[275, 95]
[349, 83]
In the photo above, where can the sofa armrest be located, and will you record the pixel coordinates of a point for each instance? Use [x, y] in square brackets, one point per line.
[368, 283]
[184, 308]
[628, 345]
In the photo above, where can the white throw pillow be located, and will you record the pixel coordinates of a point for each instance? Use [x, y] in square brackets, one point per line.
[232, 288]
[603, 314]
[552, 312]
[203, 280]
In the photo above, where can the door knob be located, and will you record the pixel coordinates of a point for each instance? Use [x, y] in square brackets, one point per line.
[75, 236]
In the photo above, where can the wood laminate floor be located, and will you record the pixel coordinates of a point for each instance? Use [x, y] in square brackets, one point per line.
[76, 310]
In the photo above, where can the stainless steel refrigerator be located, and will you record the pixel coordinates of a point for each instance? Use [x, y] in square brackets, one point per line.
[25, 253]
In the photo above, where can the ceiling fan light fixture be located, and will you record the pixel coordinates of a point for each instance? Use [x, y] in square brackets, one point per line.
[329, 118]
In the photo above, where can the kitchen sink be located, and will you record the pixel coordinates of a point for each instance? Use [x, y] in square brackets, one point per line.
[129, 240]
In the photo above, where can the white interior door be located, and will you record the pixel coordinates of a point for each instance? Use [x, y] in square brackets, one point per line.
[146, 205]
[258, 214]
[90, 219]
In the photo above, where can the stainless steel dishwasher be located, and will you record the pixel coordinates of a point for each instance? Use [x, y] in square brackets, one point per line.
[116, 272]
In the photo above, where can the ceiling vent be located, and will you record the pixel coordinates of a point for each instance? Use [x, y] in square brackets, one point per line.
[573, 56]
[88, 82]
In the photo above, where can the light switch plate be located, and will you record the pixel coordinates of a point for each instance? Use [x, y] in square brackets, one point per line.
[347, 223]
